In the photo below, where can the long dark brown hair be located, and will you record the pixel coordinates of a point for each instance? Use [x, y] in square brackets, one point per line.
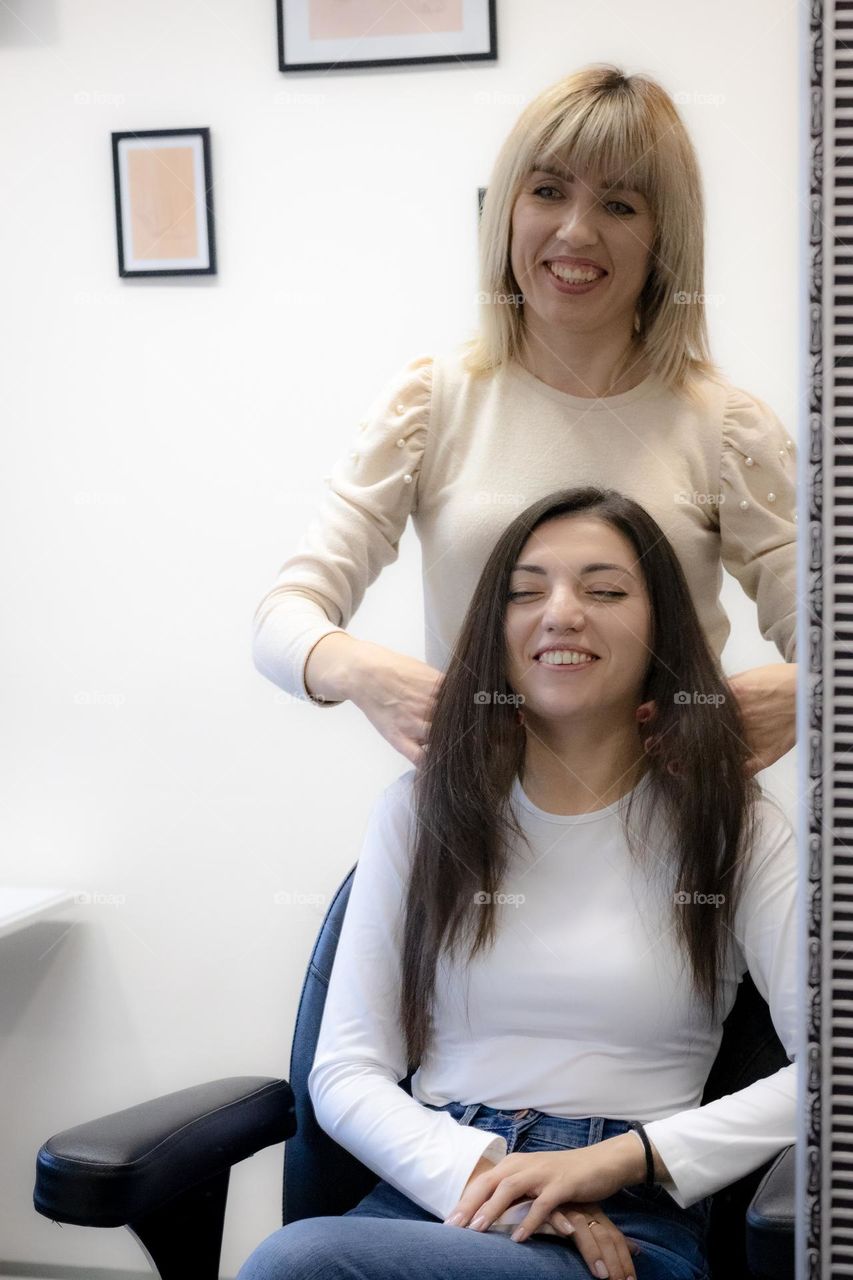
[695, 747]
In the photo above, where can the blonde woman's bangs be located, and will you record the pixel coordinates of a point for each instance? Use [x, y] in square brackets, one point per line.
[598, 139]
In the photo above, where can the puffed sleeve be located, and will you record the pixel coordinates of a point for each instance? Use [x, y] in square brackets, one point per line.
[758, 528]
[373, 490]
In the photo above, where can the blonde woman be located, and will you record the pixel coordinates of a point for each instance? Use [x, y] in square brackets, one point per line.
[591, 366]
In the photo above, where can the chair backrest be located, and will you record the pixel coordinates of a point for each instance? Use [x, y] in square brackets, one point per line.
[320, 1177]
[749, 1050]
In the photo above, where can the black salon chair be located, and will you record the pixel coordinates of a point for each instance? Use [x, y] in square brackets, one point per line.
[162, 1168]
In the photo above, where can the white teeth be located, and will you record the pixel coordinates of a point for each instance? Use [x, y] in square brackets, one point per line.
[565, 657]
[573, 275]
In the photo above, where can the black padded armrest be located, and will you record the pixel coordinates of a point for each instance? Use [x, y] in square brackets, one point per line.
[771, 1220]
[117, 1170]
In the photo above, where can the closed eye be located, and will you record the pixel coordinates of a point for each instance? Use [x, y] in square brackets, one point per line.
[516, 595]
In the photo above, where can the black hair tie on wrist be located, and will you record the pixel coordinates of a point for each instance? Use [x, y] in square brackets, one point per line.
[650, 1164]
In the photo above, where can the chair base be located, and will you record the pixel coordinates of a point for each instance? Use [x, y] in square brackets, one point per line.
[184, 1237]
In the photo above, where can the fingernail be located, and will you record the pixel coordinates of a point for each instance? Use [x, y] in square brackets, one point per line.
[478, 1222]
[519, 1233]
[601, 1270]
[565, 1224]
[454, 1219]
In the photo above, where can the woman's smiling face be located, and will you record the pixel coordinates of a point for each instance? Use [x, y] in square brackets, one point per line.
[558, 215]
[577, 585]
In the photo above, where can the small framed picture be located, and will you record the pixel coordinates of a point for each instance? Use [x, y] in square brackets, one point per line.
[331, 35]
[164, 202]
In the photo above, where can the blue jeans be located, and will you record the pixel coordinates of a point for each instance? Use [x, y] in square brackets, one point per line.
[386, 1236]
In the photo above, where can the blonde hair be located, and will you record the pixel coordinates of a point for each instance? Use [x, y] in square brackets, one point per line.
[622, 125]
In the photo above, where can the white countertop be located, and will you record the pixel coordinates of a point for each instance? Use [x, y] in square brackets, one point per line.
[21, 906]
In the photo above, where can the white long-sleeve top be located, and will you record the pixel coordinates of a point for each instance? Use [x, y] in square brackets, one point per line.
[464, 455]
[583, 1006]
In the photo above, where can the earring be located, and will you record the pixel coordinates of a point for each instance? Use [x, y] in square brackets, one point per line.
[646, 711]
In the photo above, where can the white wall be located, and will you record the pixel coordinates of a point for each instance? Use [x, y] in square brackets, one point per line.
[164, 446]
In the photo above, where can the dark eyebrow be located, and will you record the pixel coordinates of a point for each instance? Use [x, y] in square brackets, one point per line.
[610, 184]
[588, 568]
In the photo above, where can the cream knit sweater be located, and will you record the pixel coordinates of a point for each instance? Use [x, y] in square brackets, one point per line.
[463, 455]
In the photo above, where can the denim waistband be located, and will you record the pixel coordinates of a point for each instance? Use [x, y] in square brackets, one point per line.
[513, 1124]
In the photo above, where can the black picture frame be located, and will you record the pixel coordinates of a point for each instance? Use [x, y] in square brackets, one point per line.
[489, 54]
[129, 264]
